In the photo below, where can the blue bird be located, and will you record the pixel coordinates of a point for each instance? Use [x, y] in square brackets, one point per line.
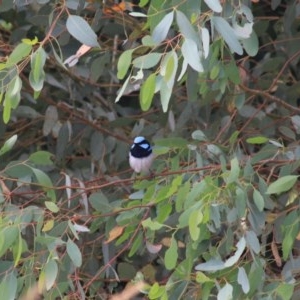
[140, 155]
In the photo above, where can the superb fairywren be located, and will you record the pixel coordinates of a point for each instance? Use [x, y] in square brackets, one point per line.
[140, 155]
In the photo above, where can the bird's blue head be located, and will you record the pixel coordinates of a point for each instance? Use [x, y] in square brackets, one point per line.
[141, 147]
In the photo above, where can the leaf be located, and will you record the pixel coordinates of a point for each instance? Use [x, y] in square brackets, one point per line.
[46, 183]
[52, 206]
[114, 233]
[290, 230]
[19, 53]
[147, 61]
[171, 255]
[234, 171]
[243, 280]
[191, 54]
[147, 92]
[153, 225]
[8, 235]
[194, 220]
[205, 41]
[8, 144]
[124, 63]
[41, 158]
[161, 30]
[165, 95]
[211, 265]
[258, 200]
[8, 286]
[241, 245]
[37, 74]
[257, 140]
[74, 253]
[228, 34]
[282, 184]
[225, 293]
[168, 68]
[214, 5]
[186, 28]
[252, 241]
[122, 89]
[285, 290]
[251, 44]
[81, 31]
[48, 225]
[51, 271]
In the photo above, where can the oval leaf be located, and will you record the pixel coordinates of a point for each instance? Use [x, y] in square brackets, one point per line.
[147, 92]
[282, 184]
[74, 253]
[228, 34]
[81, 31]
[160, 32]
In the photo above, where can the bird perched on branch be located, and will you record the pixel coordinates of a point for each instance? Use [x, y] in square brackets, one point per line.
[140, 155]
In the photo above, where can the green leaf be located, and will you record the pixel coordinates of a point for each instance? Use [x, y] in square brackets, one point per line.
[6, 111]
[81, 31]
[41, 158]
[165, 95]
[46, 183]
[147, 92]
[153, 225]
[52, 206]
[258, 200]
[8, 286]
[257, 140]
[171, 255]
[74, 253]
[37, 74]
[51, 271]
[8, 235]
[285, 290]
[186, 28]
[168, 68]
[18, 249]
[234, 171]
[251, 45]
[13, 93]
[8, 144]
[161, 30]
[19, 53]
[124, 63]
[282, 184]
[290, 229]
[194, 220]
[147, 61]
[228, 34]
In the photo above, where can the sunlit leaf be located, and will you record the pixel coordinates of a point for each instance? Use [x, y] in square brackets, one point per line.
[282, 184]
[243, 280]
[191, 54]
[8, 145]
[161, 30]
[214, 5]
[147, 61]
[171, 255]
[124, 63]
[147, 92]
[225, 293]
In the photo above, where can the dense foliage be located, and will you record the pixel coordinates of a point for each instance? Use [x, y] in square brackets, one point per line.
[214, 85]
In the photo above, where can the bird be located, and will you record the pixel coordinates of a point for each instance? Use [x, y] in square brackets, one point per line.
[141, 155]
